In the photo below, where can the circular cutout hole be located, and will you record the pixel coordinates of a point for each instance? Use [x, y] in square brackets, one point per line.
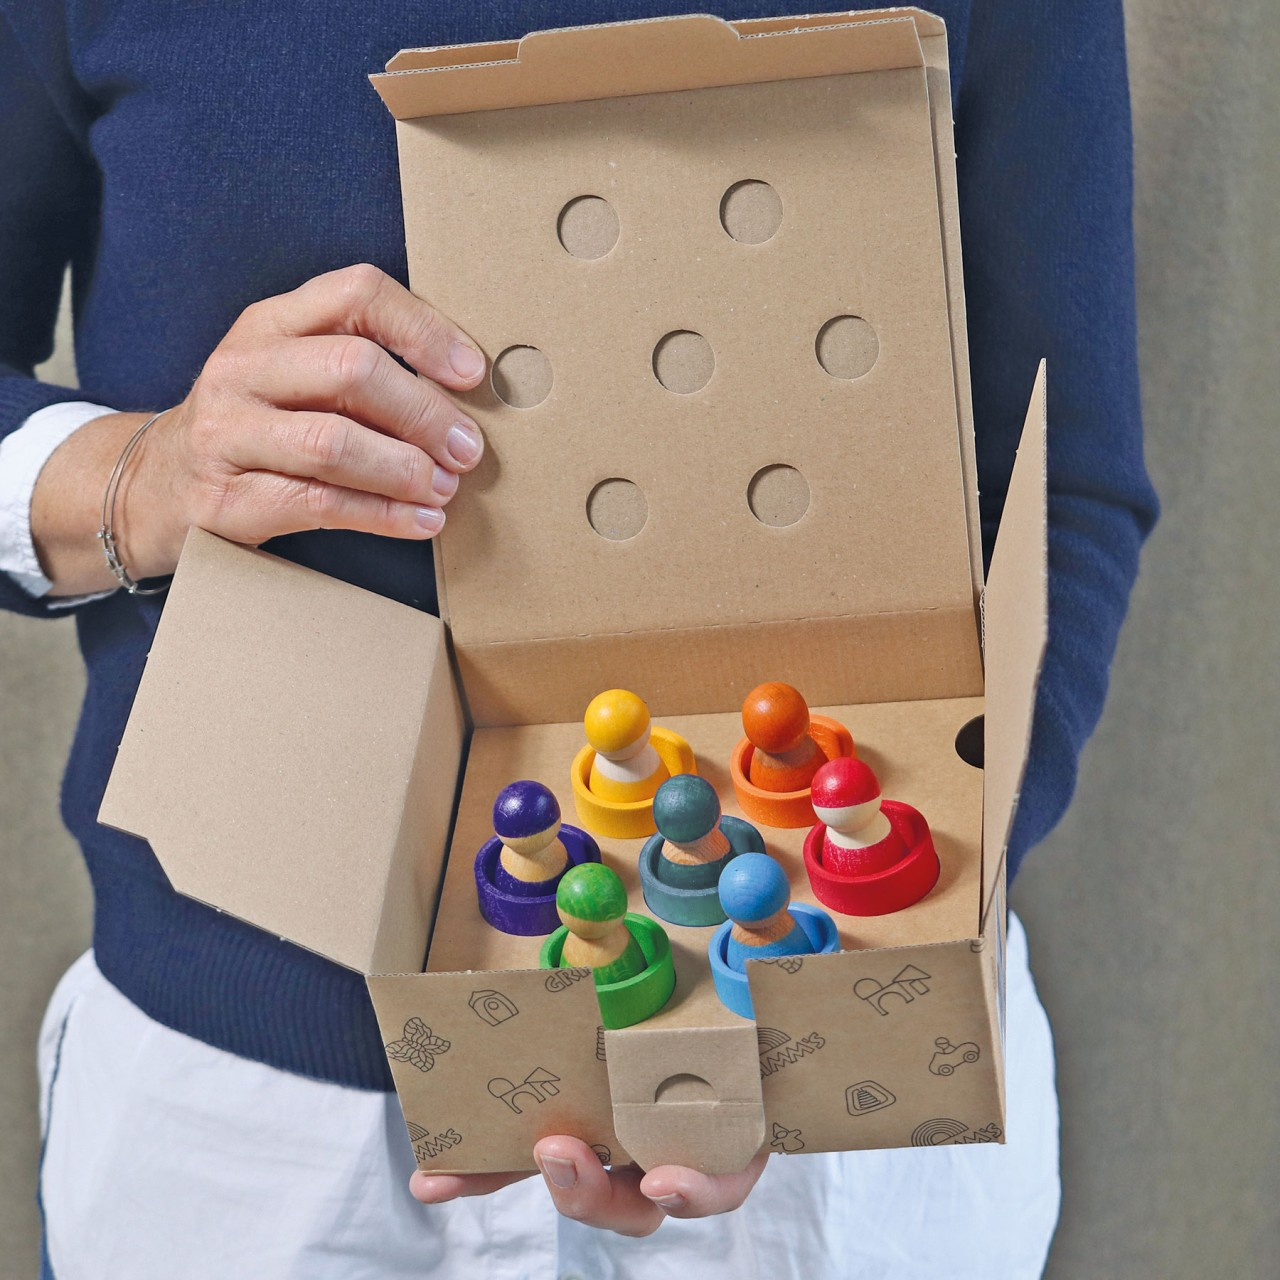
[683, 361]
[751, 211]
[970, 742]
[685, 1087]
[847, 347]
[778, 495]
[616, 509]
[588, 227]
[521, 377]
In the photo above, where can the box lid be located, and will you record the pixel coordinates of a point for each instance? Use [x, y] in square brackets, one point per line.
[708, 441]
[292, 755]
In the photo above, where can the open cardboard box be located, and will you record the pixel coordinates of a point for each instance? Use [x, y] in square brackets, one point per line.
[808, 513]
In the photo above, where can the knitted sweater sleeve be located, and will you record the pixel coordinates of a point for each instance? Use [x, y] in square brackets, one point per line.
[48, 220]
[1046, 175]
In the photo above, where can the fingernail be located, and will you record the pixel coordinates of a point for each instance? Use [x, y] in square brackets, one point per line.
[429, 519]
[562, 1174]
[467, 362]
[464, 443]
[674, 1201]
[445, 483]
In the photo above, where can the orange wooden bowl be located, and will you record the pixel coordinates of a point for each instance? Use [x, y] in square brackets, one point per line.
[786, 808]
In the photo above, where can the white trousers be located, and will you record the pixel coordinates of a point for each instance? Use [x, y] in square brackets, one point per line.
[164, 1157]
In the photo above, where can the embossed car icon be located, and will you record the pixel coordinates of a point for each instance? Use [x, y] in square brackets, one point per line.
[949, 1055]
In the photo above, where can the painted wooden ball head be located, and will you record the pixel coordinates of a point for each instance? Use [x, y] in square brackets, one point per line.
[526, 818]
[756, 896]
[686, 811]
[592, 904]
[626, 767]
[859, 839]
[775, 719]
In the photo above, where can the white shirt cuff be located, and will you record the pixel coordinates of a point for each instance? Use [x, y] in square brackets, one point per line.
[22, 457]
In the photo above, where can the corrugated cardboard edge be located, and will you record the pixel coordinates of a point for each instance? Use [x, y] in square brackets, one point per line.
[938, 73]
[1015, 632]
[659, 55]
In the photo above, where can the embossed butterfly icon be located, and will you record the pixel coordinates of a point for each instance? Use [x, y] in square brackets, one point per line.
[419, 1046]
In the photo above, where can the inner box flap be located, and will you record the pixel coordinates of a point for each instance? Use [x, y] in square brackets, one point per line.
[1016, 629]
[720, 324]
[661, 55]
[292, 755]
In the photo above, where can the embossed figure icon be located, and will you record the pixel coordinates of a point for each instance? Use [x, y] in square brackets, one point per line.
[786, 1140]
[950, 1056]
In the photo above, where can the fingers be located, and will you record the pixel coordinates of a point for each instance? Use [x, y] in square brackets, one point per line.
[437, 1188]
[340, 452]
[364, 301]
[686, 1193]
[356, 378]
[584, 1190]
[262, 505]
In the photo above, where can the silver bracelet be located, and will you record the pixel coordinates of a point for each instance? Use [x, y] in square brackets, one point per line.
[107, 534]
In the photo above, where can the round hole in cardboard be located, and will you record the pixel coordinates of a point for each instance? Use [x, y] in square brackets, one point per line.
[588, 227]
[778, 495]
[616, 509]
[683, 361]
[521, 377]
[685, 1087]
[970, 742]
[751, 211]
[847, 347]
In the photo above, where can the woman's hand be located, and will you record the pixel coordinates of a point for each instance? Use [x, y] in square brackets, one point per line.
[625, 1200]
[299, 420]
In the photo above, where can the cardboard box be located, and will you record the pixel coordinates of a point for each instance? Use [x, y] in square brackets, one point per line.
[799, 504]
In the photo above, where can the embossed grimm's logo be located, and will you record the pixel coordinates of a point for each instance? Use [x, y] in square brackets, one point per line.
[419, 1047]
[426, 1147]
[563, 979]
[778, 1050]
[944, 1131]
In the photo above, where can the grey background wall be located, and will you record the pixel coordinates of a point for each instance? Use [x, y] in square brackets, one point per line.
[1151, 910]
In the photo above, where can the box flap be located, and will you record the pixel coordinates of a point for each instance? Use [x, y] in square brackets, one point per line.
[824, 349]
[488, 1063]
[1016, 630]
[617, 60]
[687, 1096]
[292, 755]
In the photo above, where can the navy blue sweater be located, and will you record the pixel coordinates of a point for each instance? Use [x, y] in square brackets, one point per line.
[187, 159]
